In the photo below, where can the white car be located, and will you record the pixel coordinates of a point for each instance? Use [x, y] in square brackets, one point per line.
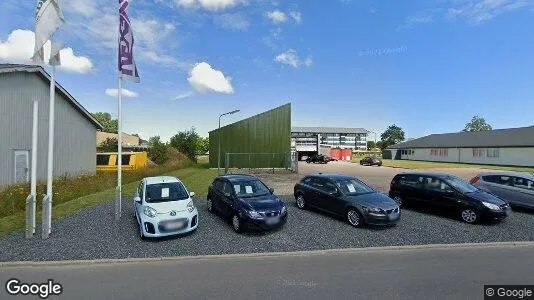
[163, 207]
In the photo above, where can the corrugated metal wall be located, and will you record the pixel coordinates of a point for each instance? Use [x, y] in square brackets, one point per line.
[74, 135]
[263, 134]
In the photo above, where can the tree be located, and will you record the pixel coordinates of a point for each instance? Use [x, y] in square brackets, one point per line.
[371, 145]
[393, 135]
[157, 151]
[104, 118]
[203, 145]
[186, 142]
[109, 145]
[477, 124]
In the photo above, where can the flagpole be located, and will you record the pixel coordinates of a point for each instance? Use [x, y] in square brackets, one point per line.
[35, 133]
[31, 200]
[119, 155]
[47, 202]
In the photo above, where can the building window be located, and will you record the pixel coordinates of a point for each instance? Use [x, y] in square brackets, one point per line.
[493, 152]
[478, 152]
[438, 152]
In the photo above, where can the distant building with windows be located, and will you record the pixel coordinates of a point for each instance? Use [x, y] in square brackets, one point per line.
[512, 147]
[321, 140]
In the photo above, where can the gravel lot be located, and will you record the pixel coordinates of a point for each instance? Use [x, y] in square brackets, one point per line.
[94, 234]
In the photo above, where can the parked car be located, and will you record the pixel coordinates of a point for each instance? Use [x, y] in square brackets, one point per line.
[448, 192]
[514, 187]
[347, 197]
[317, 159]
[163, 207]
[371, 161]
[247, 201]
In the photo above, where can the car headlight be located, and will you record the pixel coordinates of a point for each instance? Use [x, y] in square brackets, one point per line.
[190, 206]
[150, 212]
[253, 214]
[374, 210]
[284, 210]
[491, 206]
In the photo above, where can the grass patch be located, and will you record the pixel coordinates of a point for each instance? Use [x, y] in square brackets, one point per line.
[196, 179]
[413, 164]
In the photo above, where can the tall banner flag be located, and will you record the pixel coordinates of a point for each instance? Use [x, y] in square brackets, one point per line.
[48, 19]
[127, 70]
[127, 67]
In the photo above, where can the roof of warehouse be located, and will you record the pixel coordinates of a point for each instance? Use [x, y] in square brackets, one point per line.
[328, 130]
[511, 137]
[10, 68]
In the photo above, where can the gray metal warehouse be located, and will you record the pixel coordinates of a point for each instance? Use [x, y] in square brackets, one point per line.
[74, 133]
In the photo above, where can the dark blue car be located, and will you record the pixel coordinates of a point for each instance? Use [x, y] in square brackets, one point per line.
[247, 201]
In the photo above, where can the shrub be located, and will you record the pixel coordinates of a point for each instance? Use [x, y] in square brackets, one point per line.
[158, 152]
[188, 142]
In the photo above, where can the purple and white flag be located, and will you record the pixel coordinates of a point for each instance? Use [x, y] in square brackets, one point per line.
[127, 67]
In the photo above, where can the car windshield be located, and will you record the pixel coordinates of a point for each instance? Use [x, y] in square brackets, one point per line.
[250, 188]
[461, 185]
[165, 192]
[353, 187]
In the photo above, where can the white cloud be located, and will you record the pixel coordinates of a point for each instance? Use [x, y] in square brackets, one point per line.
[19, 48]
[125, 93]
[86, 8]
[291, 58]
[153, 37]
[203, 78]
[183, 96]
[277, 16]
[297, 16]
[420, 17]
[479, 11]
[234, 21]
[209, 4]
[74, 64]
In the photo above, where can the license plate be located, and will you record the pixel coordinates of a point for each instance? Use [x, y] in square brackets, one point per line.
[174, 225]
[271, 221]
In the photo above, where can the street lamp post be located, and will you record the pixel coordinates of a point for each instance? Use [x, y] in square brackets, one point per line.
[219, 142]
[375, 135]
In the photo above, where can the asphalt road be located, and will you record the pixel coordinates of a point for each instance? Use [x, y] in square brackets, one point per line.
[435, 273]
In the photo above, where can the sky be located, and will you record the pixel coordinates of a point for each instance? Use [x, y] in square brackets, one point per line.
[427, 66]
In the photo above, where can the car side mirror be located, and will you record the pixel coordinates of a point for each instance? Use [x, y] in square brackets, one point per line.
[334, 192]
[137, 199]
[191, 194]
[271, 190]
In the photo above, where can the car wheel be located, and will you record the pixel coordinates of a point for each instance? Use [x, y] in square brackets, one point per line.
[301, 202]
[469, 215]
[361, 163]
[398, 199]
[209, 205]
[236, 224]
[354, 217]
[141, 234]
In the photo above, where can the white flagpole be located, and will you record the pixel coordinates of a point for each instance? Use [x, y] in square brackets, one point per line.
[35, 132]
[31, 200]
[119, 155]
[47, 203]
